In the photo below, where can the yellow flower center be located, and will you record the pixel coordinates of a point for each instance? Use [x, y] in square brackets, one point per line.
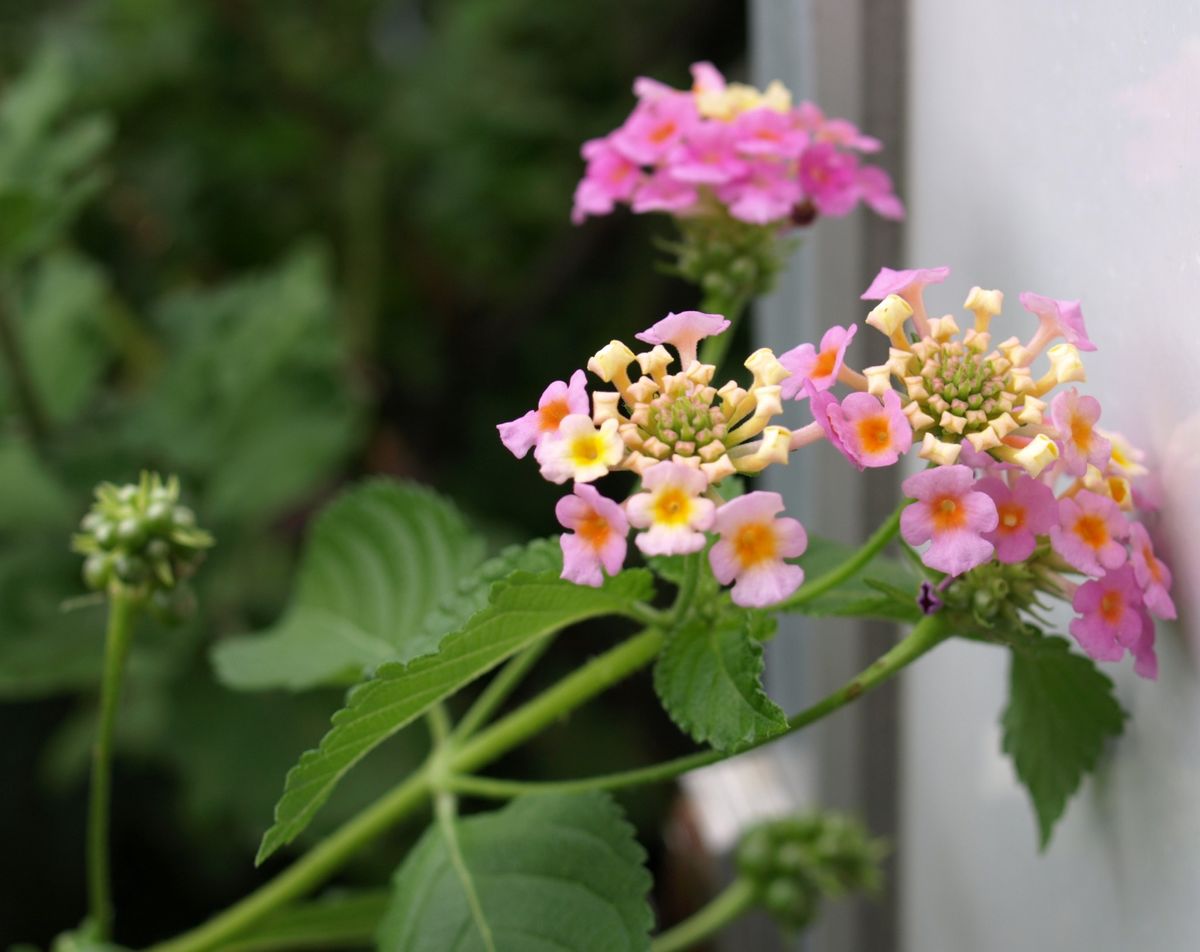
[587, 449]
[1081, 433]
[754, 543]
[672, 507]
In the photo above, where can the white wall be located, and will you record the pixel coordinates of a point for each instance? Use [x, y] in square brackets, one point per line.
[1055, 147]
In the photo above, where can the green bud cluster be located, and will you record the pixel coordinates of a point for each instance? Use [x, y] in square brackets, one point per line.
[686, 422]
[139, 540]
[728, 259]
[796, 862]
[995, 595]
[960, 381]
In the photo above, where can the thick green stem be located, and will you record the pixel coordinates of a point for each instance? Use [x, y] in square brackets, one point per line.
[724, 909]
[498, 690]
[316, 866]
[832, 579]
[122, 610]
[928, 633]
[713, 350]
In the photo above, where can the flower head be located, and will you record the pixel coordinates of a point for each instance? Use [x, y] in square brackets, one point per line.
[1089, 533]
[950, 514]
[580, 450]
[597, 538]
[752, 549]
[1025, 510]
[871, 431]
[558, 401]
[671, 509]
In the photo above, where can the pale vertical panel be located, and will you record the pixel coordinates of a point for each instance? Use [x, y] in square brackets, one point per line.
[1056, 148]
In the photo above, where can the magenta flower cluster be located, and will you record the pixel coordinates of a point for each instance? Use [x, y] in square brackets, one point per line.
[727, 145]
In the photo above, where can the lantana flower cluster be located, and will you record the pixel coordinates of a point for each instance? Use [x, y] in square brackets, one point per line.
[1020, 473]
[728, 146]
[683, 437]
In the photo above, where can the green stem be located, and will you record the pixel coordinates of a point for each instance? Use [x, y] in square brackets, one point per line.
[122, 610]
[713, 350]
[928, 633]
[316, 866]
[833, 578]
[498, 690]
[724, 909]
[687, 586]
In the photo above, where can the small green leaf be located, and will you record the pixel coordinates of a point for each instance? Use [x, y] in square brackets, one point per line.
[522, 609]
[1061, 711]
[346, 920]
[550, 873]
[708, 679]
[379, 560]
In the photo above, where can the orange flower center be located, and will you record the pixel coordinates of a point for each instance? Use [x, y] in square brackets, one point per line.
[948, 514]
[875, 433]
[663, 133]
[594, 530]
[1112, 606]
[1012, 516]
[1152, 564]
[551, 415]
[754, 543]
[1092, 529]
[1081, 433]
[672, 506]
[824, 365]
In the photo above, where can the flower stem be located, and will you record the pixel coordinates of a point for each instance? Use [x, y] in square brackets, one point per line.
[833, 578]
[498, 690]
[316, 866]
[122, 609]
[724, 909]
[927, 634]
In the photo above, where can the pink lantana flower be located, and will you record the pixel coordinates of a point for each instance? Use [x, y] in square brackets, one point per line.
[1151, 573]
[1026, 510]
[872, 432]
[557, 401]
[580, 450]
[610, 177]
[684, 331]
[1088, 534]
[1145, 659]
[707, 156]
[656, 126]
[1055, 319]
[597, 538]
[821, 405]
[819, 367]
[879, 193]
[1079, 442]
[951, 515]
[662, 192]
[1110, 609]
[768, 132]
[767, 194]
[671, 509]
[829, 178]
[908, 283]
[752, 549]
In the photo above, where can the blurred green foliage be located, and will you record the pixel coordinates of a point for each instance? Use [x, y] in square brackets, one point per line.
[274, 247]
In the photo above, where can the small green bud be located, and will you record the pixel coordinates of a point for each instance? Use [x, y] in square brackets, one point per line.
[158, 514]
[131, 532]
[183, 517]
[96, 570]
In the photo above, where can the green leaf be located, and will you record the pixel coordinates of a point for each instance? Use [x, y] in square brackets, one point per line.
[1061, 711]
[708, 679]
[379, 560]
[872, 592]
[347, 920]
[522, 609]
[550, 873]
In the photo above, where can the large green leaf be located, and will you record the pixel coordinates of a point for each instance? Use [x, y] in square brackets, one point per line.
[379, 560]
[857, 596]
[545, 874]
[522, 609]
[1061, 712]
[708, 679]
